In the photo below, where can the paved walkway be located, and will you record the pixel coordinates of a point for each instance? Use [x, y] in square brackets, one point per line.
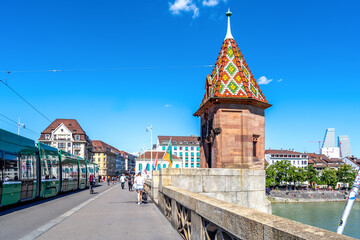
[112, 214]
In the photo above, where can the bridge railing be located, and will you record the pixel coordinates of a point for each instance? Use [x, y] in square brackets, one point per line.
[200, 217]
[196, 216]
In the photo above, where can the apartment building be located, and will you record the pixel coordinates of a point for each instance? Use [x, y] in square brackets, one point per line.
[296, 159]
[67, 135]
[186, 148]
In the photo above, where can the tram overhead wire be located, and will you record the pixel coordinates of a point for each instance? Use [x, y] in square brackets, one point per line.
[25, 100]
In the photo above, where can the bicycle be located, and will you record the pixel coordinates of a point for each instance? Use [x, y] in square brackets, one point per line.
[91, 188]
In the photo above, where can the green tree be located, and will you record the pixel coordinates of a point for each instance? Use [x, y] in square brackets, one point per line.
[281, 171]
[311, 175]
[328, 177]
[345, 174]
[296, 174]
[270, 176]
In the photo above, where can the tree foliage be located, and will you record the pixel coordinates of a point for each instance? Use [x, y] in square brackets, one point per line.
[328, 177]
[345, 174]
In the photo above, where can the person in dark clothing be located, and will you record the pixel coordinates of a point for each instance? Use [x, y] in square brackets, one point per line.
[130, 182]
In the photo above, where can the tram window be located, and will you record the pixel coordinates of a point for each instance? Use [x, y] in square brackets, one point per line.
[1, 166]
[11, 167]
[28, 167]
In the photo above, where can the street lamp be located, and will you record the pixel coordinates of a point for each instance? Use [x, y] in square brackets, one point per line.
[151, 146]
[20, 125]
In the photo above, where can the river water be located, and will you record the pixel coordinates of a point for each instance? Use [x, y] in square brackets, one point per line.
[324, 215]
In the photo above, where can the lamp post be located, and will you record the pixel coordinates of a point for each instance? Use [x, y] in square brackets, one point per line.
[151, 145]
[20, 125]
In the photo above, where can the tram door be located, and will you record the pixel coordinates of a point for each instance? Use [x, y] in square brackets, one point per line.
[28, 176]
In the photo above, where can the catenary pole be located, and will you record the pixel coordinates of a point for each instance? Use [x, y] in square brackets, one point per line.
[350, 202]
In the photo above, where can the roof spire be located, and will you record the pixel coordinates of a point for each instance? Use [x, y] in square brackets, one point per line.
[228, 33]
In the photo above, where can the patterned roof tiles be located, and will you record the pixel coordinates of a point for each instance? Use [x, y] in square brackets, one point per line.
[231, 77]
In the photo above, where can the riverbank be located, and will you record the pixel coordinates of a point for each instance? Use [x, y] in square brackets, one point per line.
[308, 196]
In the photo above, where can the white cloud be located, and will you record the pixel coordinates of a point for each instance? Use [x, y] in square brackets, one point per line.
[280, 80]
[263, 80]
[184, 5]
[167, 105]
[210, 3]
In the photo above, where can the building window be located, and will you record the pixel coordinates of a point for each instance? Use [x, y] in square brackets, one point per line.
[192, 153]
[180, 148]
[197, 148]
[181, 154]
[192, 165]
[186, 165]
[159, 166]
[177, 165]
[198, 159]
[197, 165]
[148, 167]
[69, 144]
[174, 142]
[61, 145]
[186, 149]
[180, 142]
[186, 154]
[175, 148]
[185, 142]
[255, 140]
[164, 165]
[163, 148]
[47, 136]
[77, 137]
[192, 148]
[140, 167]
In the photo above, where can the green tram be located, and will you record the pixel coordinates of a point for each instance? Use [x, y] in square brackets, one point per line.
[29, 170]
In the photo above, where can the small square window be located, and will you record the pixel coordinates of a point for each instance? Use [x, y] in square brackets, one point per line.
[185, 142]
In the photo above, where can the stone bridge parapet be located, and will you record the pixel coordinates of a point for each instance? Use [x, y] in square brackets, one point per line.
[200, 217]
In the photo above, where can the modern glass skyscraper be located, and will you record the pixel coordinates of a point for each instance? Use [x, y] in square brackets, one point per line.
[329, 149]
[329, 139]
[345, 148]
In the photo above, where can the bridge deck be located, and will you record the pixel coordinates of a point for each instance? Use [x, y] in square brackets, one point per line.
[112, 214]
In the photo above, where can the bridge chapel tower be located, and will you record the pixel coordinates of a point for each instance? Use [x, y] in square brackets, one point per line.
[232, 113]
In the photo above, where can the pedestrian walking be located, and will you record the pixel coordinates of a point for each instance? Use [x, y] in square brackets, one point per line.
[139, 185]
[122, 180]
[108, 180]
[130, 182]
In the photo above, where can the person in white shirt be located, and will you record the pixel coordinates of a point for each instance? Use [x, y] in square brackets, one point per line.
[139, 185]
[122, 180]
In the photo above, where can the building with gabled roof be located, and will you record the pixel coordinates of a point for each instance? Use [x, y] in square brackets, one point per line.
[68, 135]
[232, 113]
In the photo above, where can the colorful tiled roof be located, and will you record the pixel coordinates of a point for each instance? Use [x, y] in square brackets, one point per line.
[231, 76]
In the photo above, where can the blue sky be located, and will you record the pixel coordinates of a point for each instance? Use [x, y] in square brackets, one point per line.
[131, 63]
